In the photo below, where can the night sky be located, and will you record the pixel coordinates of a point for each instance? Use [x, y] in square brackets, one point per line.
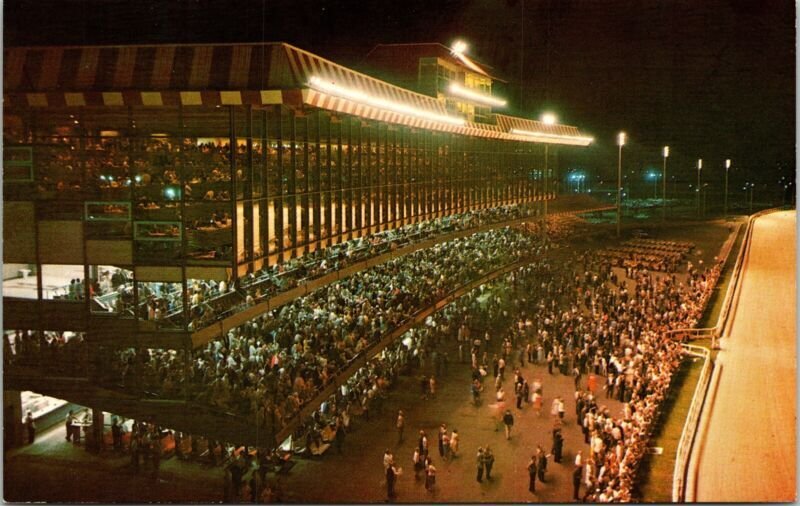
[711, 78]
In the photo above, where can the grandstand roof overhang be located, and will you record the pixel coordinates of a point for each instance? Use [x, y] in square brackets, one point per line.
[235, 74]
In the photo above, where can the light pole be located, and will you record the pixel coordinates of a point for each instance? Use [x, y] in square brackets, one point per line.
[752, 190]
[664, 185]
[547, 118]
[699, 168]
[727, 167]
[655, 185]
[620, 143]
[544, 216]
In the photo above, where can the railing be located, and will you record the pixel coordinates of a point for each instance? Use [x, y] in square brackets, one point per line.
[690, 425]
[687, 439]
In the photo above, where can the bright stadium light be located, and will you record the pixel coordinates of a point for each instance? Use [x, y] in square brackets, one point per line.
[371, 100]
[549, 118]
[457, 89]
[530, 133]
[459, 47]
[666, 151]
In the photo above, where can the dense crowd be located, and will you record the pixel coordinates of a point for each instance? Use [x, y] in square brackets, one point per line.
[584, 315]
[579, 317]
[212, 300]
[275, 363]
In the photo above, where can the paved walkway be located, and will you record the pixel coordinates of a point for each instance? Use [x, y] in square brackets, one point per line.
[748, 451]
[357, 474]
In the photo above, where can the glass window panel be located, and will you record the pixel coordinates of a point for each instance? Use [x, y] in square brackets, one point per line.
[19, 281]
[63, 282]
[111, 290]
[160, 303]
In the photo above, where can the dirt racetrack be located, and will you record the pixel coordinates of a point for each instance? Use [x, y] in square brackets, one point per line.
[748, 448]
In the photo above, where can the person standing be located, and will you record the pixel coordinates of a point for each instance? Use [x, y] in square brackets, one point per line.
[480, 463]
[541, 462]
[442, 434]
[391, 477]
[501, 368]
[592, 383]
[576, 483]
[430, 476]
[116, 434]
[30, 427]
[508, 421]
[532, 474]
[576, 375]
[400, 424]
[488, 459]
[422, 443]
[388, 459]
[69, 421]
[558, 445]
[417, 458]
[454, 444]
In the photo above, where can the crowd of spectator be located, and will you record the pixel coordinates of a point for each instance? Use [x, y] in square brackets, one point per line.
[273, 364]
[582, 317]
[63, 352]
[211, 300]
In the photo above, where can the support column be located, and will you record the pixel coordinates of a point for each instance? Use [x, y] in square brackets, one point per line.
[12, 419]
[94, 440]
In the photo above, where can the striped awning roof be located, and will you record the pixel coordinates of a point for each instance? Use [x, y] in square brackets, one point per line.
[307, 66]
[233, 74]
[178, 67]
[527, 129]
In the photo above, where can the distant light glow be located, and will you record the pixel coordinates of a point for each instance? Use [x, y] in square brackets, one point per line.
[459, 47]
[530, 133]
[371, 100]
[621, 138]
[457, 89]
[728, 163]
[666, 151]
[549, 118]
[699, 163]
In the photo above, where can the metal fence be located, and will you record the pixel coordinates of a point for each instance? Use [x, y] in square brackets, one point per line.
[690, 426]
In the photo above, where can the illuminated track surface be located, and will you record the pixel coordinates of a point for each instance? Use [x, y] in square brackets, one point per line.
[748, 449]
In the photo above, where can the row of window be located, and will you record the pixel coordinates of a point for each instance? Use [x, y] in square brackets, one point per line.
[232, 183]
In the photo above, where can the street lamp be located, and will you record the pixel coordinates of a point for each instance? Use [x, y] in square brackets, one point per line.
[727, 167]
[699, 168]
[664, 185]
[620, 143]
